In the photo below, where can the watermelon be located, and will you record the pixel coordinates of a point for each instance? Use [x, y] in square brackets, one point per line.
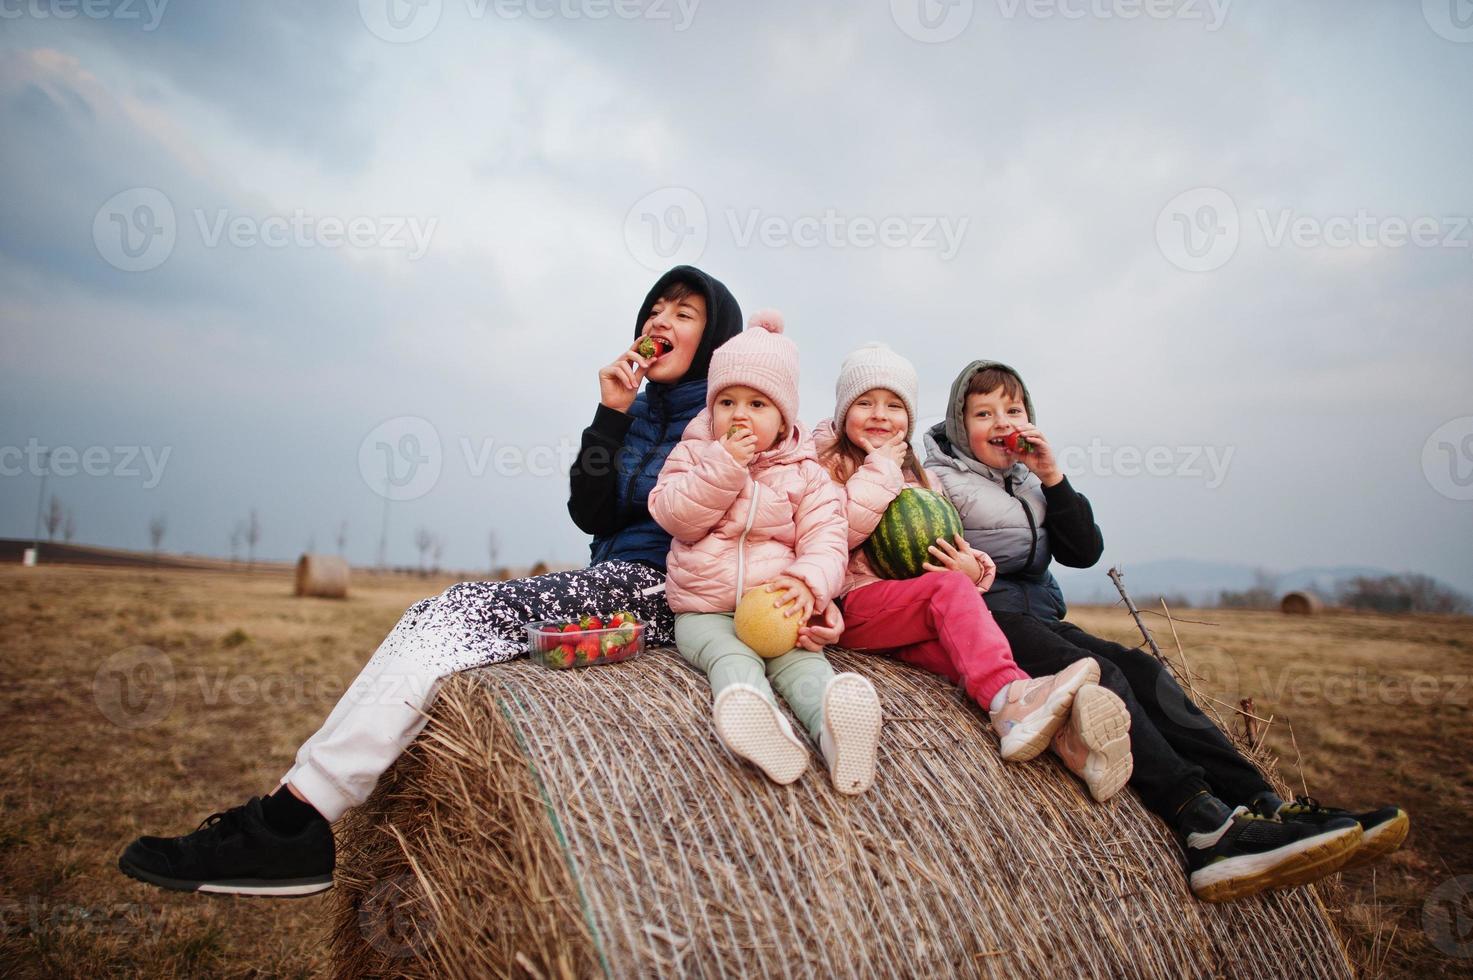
[911, 524]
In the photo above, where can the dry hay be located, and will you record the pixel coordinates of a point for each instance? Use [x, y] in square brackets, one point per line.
[1300, 603]
[580, 823]
[322, 576]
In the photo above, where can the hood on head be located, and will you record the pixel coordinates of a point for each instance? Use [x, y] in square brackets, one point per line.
[955, 426]
[723, 315]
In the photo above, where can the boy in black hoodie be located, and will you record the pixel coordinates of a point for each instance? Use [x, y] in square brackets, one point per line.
[282, 844]
[1018, 507]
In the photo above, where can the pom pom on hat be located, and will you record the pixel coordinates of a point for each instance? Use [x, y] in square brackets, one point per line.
[769, 320]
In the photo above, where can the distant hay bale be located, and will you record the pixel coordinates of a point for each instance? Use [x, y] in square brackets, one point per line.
[1300, 604]
[579, 823]
[322, 576]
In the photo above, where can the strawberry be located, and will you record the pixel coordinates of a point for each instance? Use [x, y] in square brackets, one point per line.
[1017, 443]
[571, 628]
[587, 651]
[652, 347]
[591, 623]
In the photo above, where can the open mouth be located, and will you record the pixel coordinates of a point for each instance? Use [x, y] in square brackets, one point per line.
[652, 347]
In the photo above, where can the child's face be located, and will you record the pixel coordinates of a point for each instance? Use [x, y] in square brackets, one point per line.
[990, 417]
[740, 405]
[877, 417]
[681, 323]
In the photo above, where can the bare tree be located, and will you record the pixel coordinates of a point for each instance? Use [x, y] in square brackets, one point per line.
[156, 529]
[237, 533]
[423, 540]
[252, 535]
[437, 550]
[493, 548]
[55, 514]
[342, 537]
[69, 528]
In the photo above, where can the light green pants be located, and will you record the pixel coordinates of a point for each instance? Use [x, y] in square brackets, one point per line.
[708, 641]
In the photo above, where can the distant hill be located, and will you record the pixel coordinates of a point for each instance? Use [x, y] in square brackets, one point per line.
[1198, 581]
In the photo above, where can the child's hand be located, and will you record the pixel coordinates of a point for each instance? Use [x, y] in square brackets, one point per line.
[794, 596]
[1040, 459]
[894, 449]
[989, 569]
[741, 443]
[618, 381]
[821, 630]
[958, 557]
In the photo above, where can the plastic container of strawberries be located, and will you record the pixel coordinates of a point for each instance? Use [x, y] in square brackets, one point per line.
[561, 646]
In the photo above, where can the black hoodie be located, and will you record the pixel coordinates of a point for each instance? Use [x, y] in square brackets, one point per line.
[609, 501]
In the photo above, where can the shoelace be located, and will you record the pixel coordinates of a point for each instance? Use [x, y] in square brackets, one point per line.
[221, 823]
[1304, 804]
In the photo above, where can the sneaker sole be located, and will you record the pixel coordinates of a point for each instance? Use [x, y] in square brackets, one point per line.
[853, 718]
[1299, 864]
[1377, 842]
[747, 725]
[1027, 739]
[285, 888]
[1103, 725]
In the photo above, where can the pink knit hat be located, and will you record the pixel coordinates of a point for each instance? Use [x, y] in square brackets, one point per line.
[760, 357]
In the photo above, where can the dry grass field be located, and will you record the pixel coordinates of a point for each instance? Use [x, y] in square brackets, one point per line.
[97, 748]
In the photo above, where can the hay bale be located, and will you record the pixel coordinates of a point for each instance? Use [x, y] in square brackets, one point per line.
[1300, 604]
[322, 576]
[588, 822]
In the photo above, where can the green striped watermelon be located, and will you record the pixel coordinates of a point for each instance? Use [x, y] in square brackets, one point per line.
[911, 524]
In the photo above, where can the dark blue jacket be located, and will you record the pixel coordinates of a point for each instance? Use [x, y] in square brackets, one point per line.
[623, 452]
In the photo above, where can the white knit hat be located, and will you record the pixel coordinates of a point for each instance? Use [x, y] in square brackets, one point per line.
[876, 366]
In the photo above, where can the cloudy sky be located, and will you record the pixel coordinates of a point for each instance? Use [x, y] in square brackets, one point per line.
[251, 253]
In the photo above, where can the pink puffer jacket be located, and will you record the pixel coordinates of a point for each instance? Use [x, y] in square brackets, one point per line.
[869, 491]
[737, 527]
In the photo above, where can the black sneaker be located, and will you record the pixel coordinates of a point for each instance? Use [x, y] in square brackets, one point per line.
[236, 853]
[1382, 830]
[1250, 853]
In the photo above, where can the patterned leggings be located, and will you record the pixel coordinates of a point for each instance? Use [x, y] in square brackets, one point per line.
[471, 624]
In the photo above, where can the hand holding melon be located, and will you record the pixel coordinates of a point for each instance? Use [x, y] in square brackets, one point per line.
[900, 545]
[761, 625]
[955, 557]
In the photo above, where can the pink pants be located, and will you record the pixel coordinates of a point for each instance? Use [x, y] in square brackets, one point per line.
[937, 622]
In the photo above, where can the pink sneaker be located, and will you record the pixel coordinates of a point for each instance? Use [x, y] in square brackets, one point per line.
[1034, 709]
[1095, 744]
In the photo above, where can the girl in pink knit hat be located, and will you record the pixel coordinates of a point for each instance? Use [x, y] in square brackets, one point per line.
[938, 620]
[749, 507]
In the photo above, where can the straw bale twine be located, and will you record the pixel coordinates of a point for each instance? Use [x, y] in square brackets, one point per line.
[585, 823]
[322, 576]
[1300, 604]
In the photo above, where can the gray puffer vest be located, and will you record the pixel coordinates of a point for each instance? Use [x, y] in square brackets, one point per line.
[1002, 514]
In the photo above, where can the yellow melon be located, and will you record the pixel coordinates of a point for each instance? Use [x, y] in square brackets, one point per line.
[763, 627]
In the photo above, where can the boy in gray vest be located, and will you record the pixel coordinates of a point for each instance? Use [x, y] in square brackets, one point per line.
[1017, 506]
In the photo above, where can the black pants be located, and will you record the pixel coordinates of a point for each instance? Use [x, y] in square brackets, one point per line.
[1178, 750]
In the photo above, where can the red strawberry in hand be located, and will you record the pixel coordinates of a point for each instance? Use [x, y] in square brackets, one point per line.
[1017, 443]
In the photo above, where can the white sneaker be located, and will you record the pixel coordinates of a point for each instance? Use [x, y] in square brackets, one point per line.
[851, 732]
[1095, 744]
[753, 728]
